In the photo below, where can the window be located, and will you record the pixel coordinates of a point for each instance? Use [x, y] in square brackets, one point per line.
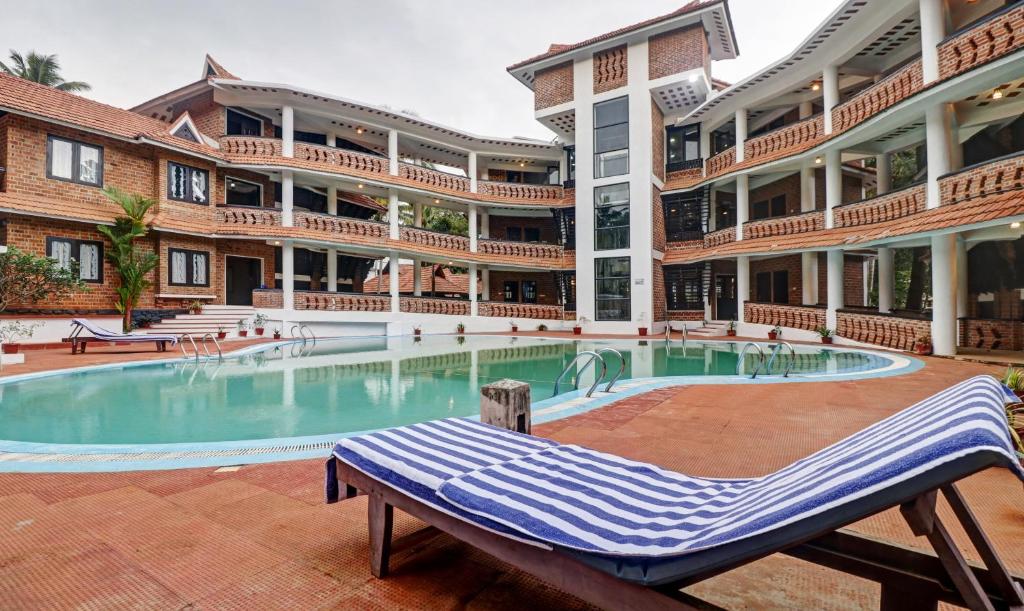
[187, 184]
[531, 234]
[611, 295]
[529, 291]
[242, 193]
[768, 208]
[611, 138]
[87, 253]
[772, 287]
[511, 291]
[570, 166]
[74, 161]
[683, 146]
[514, 234]
[683, 217]
[611, 217]
[684, 287]
[188, 267]
[241, 124]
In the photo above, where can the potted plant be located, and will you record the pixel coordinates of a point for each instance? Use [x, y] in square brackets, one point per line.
[923, 345]
[416, 330]
[13, 331]
[825, 333]
[195, 307]
[578, 328]
[460, 328]
[731, 330]
[221, 333]
[243, 328]
[515, 327]
[259, 322]
[277, 333]
[643, 328]
[775, 332]
[542, 327]
[1014, 380]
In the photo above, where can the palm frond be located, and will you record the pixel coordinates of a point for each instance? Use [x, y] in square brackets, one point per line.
[74, 86]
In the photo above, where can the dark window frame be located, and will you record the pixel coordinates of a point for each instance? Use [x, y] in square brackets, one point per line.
[228, 178]
[247, 115]
[76, 158]
[597, 128]
[187, 198]
[626, 226]
[773, 279]
[189, 272]
[76, 246]
[597, 292]
[682, 132]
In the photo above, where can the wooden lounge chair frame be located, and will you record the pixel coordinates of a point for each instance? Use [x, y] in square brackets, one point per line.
[910, 578]
[79, 342]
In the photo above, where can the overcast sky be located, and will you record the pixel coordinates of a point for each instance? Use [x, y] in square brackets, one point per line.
[444, 59]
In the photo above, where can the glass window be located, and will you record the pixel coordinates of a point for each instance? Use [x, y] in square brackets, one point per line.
[772, 287]
[612, 280]
[240, 124]
[87, 254]
[611, 217]
[531, 234]
[611, 138]
[768, 208]
[570, 163]
[684, 287]
[683, 147]
[188, 267]
[683, 217]
[514, 234]
[778, 205]
[759, 210]
[242, 193]
[511, 291]
[187, 184]
[763, 282]
[529, 291]
[74, 161]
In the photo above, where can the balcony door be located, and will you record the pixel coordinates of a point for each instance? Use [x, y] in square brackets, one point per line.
[242, 276]
[725, 297]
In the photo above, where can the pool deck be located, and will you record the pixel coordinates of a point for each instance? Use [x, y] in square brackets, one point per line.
[260, 536]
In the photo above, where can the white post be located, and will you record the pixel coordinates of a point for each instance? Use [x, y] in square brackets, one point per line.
[742, 285]
[807, 202]
[393, 152]
[883, 173]
[705, 148]
[834, 288]
[485, 224]
[713, 212]
[472, 290]
[332, 139]
[332, 270]
[833, 184]
[961, 277]
[809, 277]
[933, 30]
[332, 200]
[865, 280]
[741, 132]
[473, 175]
[287, 197]
[394, 269]
[937, 141]
[485, 284]
[742, 203]
[830, 93]
[944, 281]
[417, 277]
[473, 235]
[393, 229]
[287, 131]
[288, 276]
[417, 214]
[805, 110]
[886, 280]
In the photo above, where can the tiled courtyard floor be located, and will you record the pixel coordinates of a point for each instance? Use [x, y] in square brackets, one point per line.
[260, 537]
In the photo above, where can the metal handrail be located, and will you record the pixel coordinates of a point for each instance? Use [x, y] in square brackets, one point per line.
[181, 344]
[760, 359]
[216, 344]
[303, 328]
[622, 367]
[576, 383]
[775, 351]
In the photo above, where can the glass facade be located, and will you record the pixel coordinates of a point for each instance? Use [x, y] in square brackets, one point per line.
[611, 217]
[611, 288]
[611, 138]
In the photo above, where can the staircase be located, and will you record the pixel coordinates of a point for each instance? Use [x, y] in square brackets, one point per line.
[212, 319]
[714, 328]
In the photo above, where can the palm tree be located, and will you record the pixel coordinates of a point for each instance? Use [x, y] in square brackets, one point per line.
[42, 69]
[132, 264]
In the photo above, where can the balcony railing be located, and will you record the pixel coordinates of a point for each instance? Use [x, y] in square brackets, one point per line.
[993, 176]
[785, 225]
[722, 236]
[434, 305]
[520, 192]
[325, 301]
[433, 178]
[512, 311]
[434, 239]
[785, 140]
[339, 226]
[881, 329]
[995, 36]
[886, 207]
[884, 94]
[722, 162]
[529, 250]
[808, 318]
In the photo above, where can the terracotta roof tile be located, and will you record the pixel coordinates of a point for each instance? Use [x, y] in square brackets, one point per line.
[219, 70]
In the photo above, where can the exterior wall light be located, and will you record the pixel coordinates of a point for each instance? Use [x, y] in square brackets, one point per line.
[817, 160]
[997, 94]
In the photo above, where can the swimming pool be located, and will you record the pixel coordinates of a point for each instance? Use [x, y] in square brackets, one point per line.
[339, 387]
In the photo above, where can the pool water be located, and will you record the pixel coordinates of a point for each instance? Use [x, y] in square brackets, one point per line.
[339, 386]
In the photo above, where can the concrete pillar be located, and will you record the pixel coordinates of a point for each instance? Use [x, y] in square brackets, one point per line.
[833, 183]
[705, 148]
[886, 280]
[741, 132]
[944, 282]
[332, 270]
[393, 228]
[807, 189]
[287, 131]
[485, 284]
[485, 224]
[938, 127]
[806, 109]
[472, 290]
[742, 285]
[394, 269]
[713, 212]
[830, 93]
[834, 287]
[473, 233]
[393, 152]
[809, 277]
[288, 275]
[287, 197]
[933, 30]
[473, 174]
[332, 139]
[332, 200]
[883, 173]
[417, 277]
[417, 215]
[961, 278]
[742, 203]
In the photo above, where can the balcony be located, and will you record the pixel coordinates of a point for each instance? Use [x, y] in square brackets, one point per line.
[881, 96]
[995, 36]
[785, 225]
[887, 207]
[785, 140]
[434, 305]
[987, 178]
[808, 318]
[720, 237]
[512, 311]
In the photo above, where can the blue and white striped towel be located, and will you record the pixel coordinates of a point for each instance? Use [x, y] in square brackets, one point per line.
[576, 498]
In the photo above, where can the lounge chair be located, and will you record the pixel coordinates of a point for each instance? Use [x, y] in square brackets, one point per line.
[627, 535]
[99, 334]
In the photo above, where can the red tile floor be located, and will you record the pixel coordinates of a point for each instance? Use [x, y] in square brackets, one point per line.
[261, 537]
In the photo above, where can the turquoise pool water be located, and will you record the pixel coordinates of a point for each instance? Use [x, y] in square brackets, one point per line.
[338, 386]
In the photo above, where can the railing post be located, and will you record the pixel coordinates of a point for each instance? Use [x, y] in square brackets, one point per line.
[473, 233]
[506, 404]
[472, 173]
[393, 152]
[287, 131]
[473, 298]
[393, 228]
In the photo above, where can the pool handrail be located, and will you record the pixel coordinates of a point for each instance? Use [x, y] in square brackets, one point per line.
[743, 352]
[775, 351]
[576, 382]
[622, 367]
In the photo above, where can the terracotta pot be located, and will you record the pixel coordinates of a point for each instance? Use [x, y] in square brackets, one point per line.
[923, 349]
[826, 340]
[244, 333]
[731, 332]
[643, 331]
[773, 335]
[577, 330]
[416, 331]
[259, 331]
[221, 335]
[11, 348]
[515, 329]
[277, 336]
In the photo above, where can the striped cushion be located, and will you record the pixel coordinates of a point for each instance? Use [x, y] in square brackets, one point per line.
[576, 498]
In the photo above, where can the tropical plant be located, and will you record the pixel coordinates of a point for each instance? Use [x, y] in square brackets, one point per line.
[542, 327]
[461, 327]
[12, 331]
[195, 307]
[242, 324]
[777, 330]
[824, 331]
[732, 325]
[42, 69]
[133, 266]
[1014, 379]
[260, 321]
[26, 278]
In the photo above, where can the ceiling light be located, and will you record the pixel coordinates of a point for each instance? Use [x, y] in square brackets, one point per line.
[522, 164]
[1015, 225]
[359, 130]
[817, 160]
[437, 201]
[815, 86]
[359, 186]
[997, 94]
[277, 242]
[693, 78]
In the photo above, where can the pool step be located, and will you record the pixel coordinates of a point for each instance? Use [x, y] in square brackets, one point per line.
[713, 328]
[212, 319]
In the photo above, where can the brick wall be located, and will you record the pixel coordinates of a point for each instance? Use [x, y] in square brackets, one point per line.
[498, 226]
[788, 186]
[678, 51]
[658, 239]
[988, 334]
[610, 69]
[788, 263]
[3, 149]
[660, 304]
[853, 280]
[658, 141]
[881, 330]
[166, 241]
[241, 248]
[553, 86]
[547, 291]
[184, 214]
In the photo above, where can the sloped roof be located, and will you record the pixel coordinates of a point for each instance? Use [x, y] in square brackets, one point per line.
[217, 70]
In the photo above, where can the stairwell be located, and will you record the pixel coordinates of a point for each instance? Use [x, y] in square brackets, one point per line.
[212, 319]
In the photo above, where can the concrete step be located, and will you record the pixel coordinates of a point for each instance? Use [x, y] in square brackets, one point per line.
[202, 320]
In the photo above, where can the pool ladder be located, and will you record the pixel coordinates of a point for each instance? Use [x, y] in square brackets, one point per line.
[305, 333]
[668, 333]
[761, 362]
[594, 356]
[195, 347]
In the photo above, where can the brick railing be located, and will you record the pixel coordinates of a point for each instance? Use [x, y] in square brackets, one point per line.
[433, 178]
[808, 318]
[722, 162]
[341, 302]
[996, 176]
[341, 158]
[509, 190]
[789, 139]
[340, 225]
[999, 34]
[785, 225]
[884, 94]
[530, 250]
[684, 245]
[253, 146]
[686, 315]
[501, 309]
[892, 205]
[248, 217]
[434, 239]
[881, 329]
[991, 333]
[434, 305]
[722, 236]
[268, 298]
[688, 175]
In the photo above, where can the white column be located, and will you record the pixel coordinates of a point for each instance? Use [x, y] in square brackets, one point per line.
[937, 141]
[833, 183]
[741, 132]
[713, 212]
[944, 281]
[485, 224]
[393, 229]
[417, 277]
[830, 93]
[473, 174]
[834, 287]
[332, 139]
[417, 214]
[473, 234]
[886, 280]
[393, 152]
[485, 284]
[809, 277]
[332, 270]
[742, 285]
[393, 278]
[806, 109]
[472, 290]
[742, 203]
[288, 275]
[883, 173]
[865, 280]
[287, 131]
[933, 30]
[807, 188]
[287, 197]
[705, 148]
[961, 277]
[332, 200]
